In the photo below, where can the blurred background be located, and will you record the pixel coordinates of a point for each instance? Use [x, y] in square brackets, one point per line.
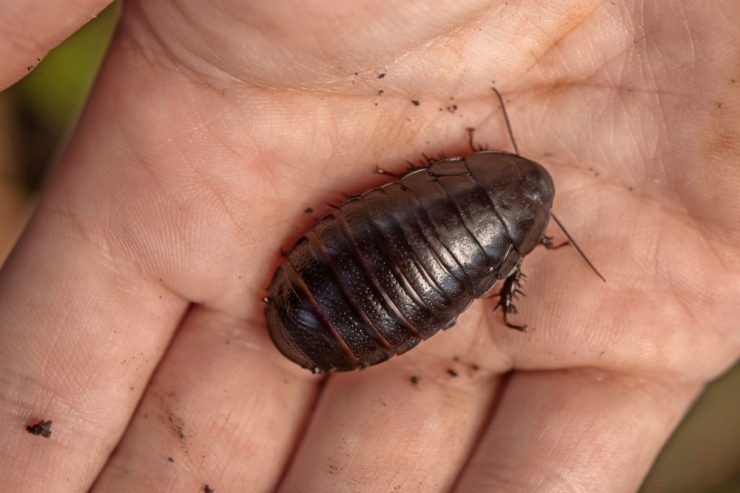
[38, 113]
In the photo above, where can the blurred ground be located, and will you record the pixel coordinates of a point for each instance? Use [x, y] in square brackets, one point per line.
[703, 455]
[15, 201]
[37, 114]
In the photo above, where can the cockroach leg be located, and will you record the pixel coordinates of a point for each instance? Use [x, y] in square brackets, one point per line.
[381, 171]
[471, 142]
[547, 242]
[506, 295]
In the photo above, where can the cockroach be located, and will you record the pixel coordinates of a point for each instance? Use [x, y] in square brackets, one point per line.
[392, 266]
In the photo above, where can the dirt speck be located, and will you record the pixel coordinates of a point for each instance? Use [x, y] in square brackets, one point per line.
[381, 75]
[176, 425]
[452, 108]
[452, 372]
[207, 489]
[380, 92]
[171, 459]
[474, 367]
[308, 210]
[42, 428]
[414, 380]
[415, 102]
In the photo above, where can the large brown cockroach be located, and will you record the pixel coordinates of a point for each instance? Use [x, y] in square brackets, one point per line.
[394, 265]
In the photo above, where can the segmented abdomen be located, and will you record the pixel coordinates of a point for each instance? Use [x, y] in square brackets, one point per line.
[388, 269]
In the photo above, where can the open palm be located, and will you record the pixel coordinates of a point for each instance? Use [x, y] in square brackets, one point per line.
[130, 312]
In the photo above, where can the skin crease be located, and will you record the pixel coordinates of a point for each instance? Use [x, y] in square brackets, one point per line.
[130, 310]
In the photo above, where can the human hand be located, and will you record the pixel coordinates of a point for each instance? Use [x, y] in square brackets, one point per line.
[130, 311]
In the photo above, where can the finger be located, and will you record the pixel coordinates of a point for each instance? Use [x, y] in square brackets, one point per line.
[82, 323]
[223, 409]
[79, 336]
[30, 28]
[405, 425]
[579, 430]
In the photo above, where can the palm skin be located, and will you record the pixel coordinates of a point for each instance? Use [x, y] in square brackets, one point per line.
[213, 127]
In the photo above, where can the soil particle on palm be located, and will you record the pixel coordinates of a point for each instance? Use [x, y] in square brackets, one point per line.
[42, 428]
[381, 75]
[207, 489]
[177, 425]
[414, 380]
[452, 372]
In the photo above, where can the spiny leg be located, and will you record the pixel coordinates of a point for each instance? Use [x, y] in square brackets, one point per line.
[471, 142]
[409, 168]
[428, 161]
[382, 171]
[506, 296]
[547, 242]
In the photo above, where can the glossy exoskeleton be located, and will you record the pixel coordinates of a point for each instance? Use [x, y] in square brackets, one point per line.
[394, 265]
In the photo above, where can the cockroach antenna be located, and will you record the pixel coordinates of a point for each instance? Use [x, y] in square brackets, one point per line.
[506, 119]
[560, 225]
[570, 239]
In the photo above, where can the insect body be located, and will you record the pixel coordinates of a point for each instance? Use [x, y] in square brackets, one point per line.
[396, 264]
